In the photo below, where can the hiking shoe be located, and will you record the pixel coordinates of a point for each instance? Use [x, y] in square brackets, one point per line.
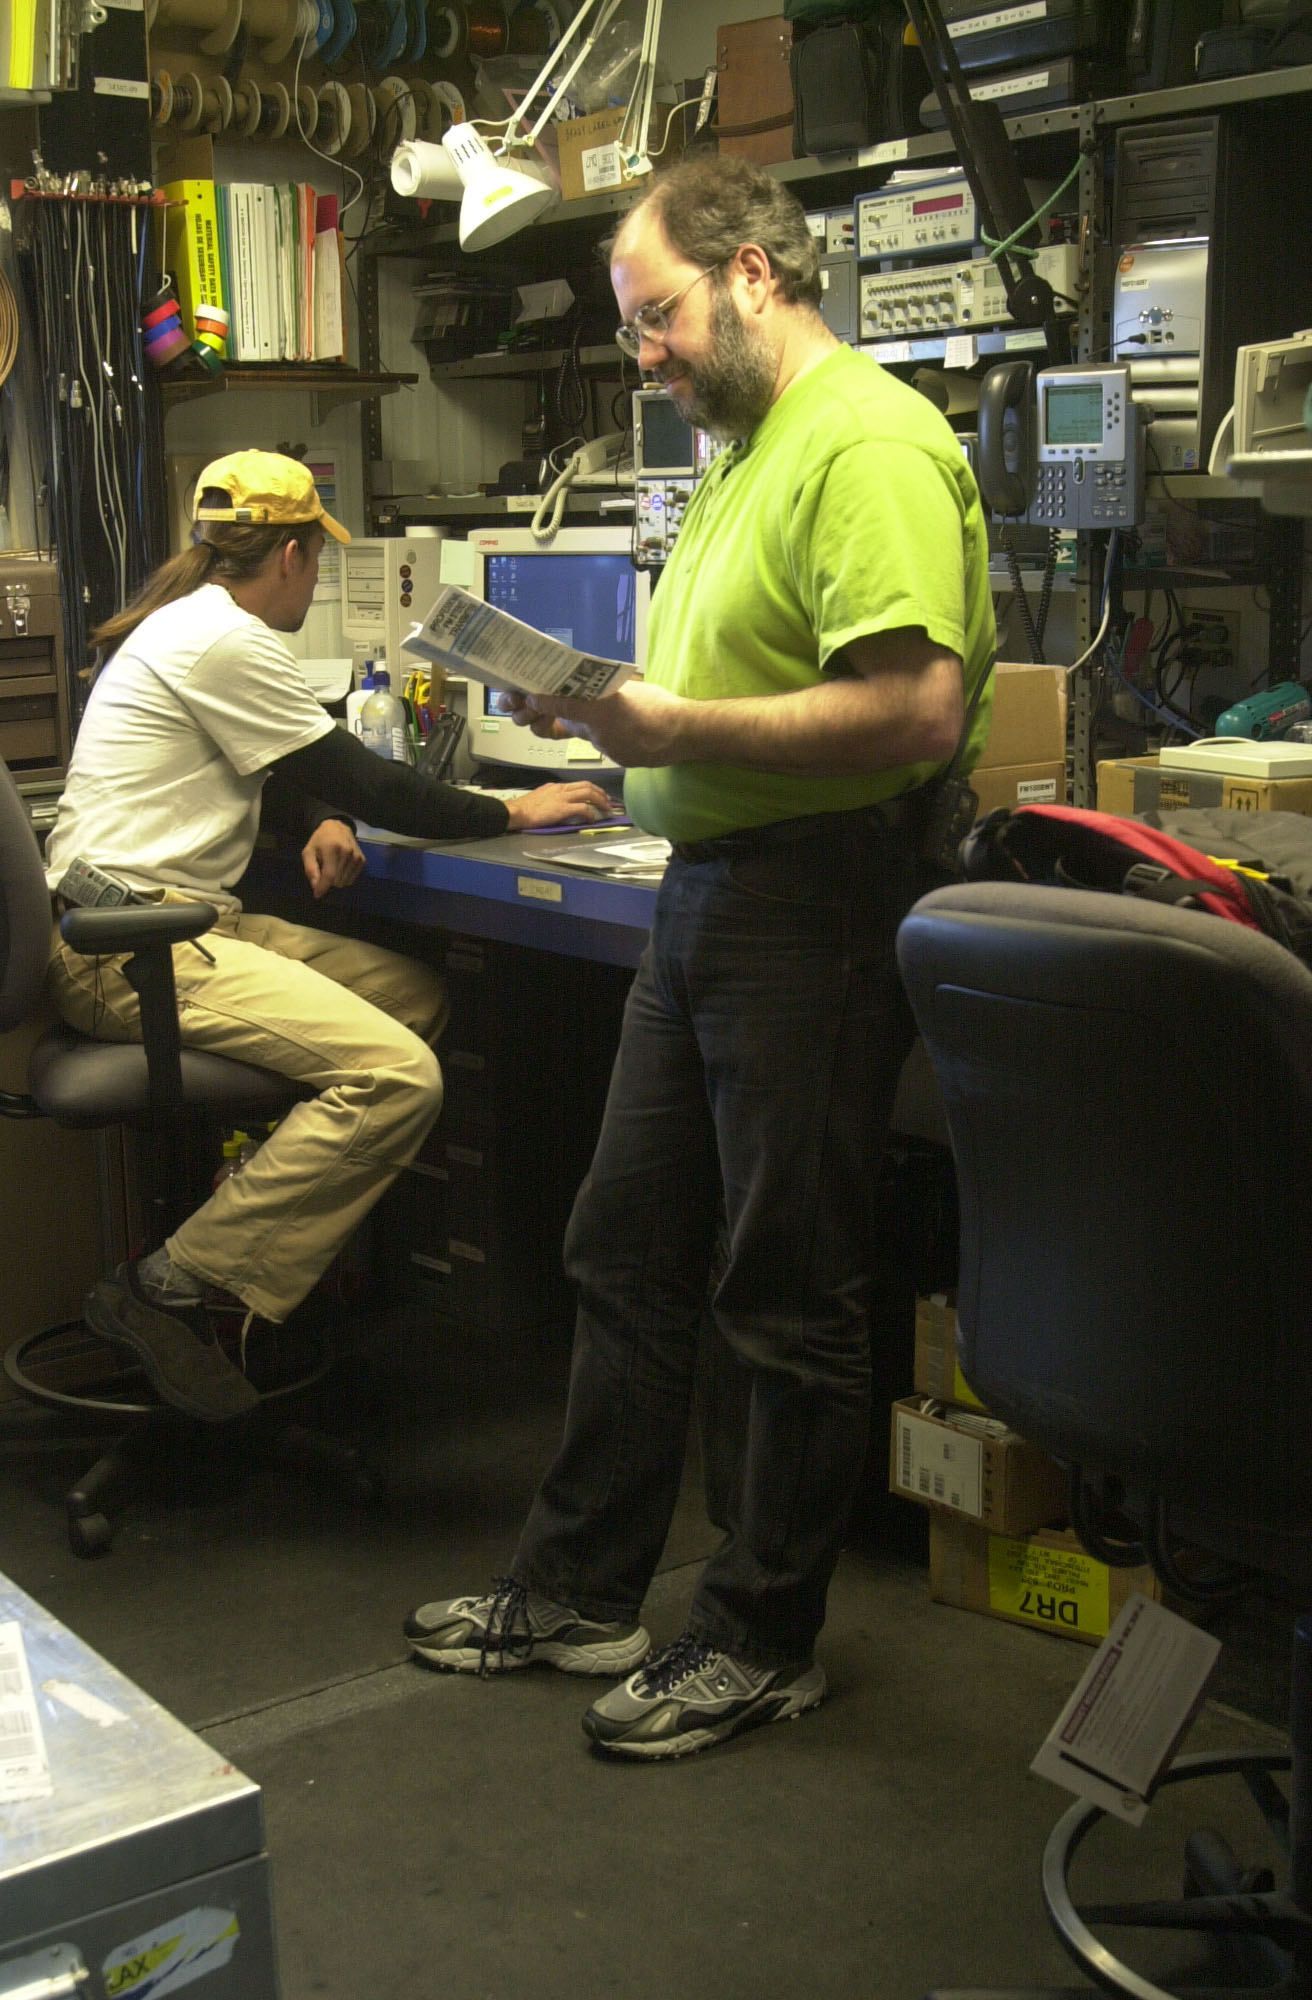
[688, 1696]
[489, 1635]
[176, 1347]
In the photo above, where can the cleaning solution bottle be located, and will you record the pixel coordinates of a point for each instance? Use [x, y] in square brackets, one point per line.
[357, 698]
[384, 728]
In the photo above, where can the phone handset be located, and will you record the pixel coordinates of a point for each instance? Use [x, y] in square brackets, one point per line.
[1007, 466]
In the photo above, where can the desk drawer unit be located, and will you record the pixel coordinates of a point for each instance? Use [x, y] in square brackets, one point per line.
[34, 724]
[475, 1226]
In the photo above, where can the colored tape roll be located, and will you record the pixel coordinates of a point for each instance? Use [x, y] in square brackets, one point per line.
[447, 30]
[163, 348]
[159, 315]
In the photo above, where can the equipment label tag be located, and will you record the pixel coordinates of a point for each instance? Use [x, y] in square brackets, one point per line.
[997, 17]
[1055, 1589]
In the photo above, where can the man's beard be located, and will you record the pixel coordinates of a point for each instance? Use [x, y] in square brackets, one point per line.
[729, 393]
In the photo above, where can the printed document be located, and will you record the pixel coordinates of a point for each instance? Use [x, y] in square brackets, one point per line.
[466, 636]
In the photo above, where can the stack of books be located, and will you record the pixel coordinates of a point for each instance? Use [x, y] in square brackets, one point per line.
[274, 257]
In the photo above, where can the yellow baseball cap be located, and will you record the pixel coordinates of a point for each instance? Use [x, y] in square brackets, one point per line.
[264, 488]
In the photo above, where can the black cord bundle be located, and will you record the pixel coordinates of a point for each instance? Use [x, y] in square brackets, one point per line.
[570, 393]
[98, 431]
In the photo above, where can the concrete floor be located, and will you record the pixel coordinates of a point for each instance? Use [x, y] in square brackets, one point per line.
[436, 1835]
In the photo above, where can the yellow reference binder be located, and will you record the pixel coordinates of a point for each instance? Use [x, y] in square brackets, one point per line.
[191, 245]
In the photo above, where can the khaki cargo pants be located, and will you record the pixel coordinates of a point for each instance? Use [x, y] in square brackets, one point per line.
[351, 1020]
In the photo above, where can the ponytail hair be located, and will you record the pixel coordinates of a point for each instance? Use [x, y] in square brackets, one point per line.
[220, 552]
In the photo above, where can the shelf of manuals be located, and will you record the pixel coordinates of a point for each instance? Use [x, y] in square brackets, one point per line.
[506, 364]
[328, 384]
[830, 172]
[390, 510]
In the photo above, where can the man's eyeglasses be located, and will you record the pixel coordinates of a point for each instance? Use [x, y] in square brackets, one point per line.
[653, 322]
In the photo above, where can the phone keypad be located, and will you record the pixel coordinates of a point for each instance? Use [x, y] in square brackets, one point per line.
[1107, 505]
[1111, 495]
[1050, 495]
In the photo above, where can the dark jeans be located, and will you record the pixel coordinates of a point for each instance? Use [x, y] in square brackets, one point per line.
[761, 1047]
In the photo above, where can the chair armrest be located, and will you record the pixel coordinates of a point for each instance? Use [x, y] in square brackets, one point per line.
[97, 933]
[147, 934]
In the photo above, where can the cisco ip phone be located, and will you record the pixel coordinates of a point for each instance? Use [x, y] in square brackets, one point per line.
[1062, 448]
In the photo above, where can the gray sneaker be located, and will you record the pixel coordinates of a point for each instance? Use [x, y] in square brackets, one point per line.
[689, 1696]
[512, 1626]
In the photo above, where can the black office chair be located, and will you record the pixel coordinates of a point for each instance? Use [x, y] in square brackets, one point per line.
[1129, 1092]
[179, 1098]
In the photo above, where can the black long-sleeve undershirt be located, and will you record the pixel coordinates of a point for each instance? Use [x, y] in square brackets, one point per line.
[336, 777]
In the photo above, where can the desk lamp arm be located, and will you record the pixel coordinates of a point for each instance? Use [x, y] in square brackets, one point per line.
[989, 163]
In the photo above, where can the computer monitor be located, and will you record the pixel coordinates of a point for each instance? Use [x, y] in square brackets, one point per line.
[580, 587]
[664, 442]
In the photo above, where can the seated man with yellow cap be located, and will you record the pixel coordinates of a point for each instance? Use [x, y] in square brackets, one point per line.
[199, 726]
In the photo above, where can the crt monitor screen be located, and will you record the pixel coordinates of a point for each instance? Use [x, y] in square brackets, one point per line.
[586, 600]
[582, 589]
[665, 444]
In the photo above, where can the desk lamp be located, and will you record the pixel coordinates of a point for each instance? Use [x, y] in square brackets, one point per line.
[497, 197]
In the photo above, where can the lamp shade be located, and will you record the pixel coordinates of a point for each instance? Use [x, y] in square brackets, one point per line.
[495, 197]
[499, 198]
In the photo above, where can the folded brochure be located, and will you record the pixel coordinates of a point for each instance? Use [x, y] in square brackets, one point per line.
[466, 636]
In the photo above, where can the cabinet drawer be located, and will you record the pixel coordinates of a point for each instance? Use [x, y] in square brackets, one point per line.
[29, 729]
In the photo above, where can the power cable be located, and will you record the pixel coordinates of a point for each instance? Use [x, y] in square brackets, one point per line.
[95, 420]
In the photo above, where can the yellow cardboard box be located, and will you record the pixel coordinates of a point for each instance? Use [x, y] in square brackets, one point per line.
[1044, 1580]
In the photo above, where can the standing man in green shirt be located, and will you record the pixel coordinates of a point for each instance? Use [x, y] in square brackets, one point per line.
[814, 641]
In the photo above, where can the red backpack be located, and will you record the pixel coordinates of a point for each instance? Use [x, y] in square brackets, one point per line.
[1066, 847]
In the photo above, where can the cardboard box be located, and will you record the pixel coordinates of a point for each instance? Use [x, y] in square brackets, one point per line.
[1028, 725]
[1044, 1580]
[588, 156]
[754, 64]
[1019, 785]
[937, 1369]
[1138, 784]
[973, 1465]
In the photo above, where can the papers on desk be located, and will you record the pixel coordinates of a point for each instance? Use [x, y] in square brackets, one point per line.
[466, 636]
[642, 858]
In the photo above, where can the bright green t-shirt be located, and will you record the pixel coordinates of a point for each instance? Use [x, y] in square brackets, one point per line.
[850, 510]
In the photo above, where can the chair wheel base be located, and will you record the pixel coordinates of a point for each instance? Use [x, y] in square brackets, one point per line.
[1250, 1962]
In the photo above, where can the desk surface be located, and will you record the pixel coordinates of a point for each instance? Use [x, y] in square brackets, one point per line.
[508, 889]
[512, 888]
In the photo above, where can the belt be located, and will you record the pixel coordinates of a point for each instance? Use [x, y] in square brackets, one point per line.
[900, 813]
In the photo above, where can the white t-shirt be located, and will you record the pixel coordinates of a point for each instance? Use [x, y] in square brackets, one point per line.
[174, 747]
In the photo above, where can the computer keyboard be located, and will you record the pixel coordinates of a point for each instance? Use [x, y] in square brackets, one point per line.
[496, 791]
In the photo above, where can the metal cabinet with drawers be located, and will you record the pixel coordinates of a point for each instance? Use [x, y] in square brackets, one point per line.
[132, 1856]
[34, 718]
